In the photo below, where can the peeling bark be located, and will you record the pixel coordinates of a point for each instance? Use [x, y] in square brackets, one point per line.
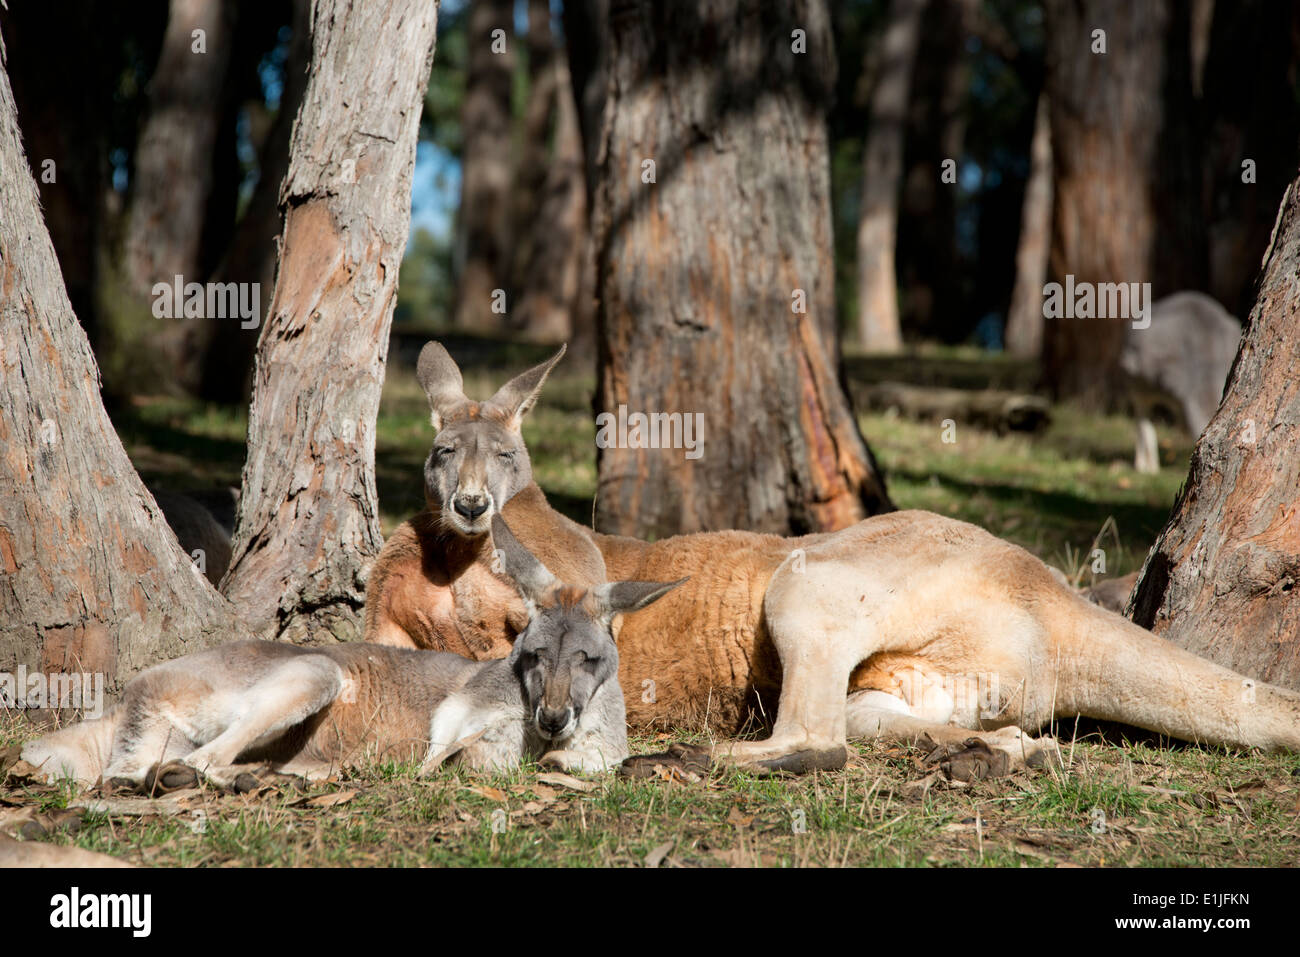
[1222, 577]
[715, 281]
[308, 519]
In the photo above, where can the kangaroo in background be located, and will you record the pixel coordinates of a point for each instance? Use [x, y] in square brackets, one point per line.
[1184, 355]
[879, 630]
[310, 711]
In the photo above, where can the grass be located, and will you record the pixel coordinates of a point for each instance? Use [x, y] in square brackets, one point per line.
[1123, 798]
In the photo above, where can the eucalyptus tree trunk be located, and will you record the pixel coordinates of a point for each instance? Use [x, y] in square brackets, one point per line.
[308, 521]
[882, 170]
[712, 234]
[173, 175]
[1024, 333]
[484, 215]
[1106, 120]
[92, 580]
[1222, 579]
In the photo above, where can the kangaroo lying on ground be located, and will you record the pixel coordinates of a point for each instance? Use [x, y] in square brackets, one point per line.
[310, 711]
[903, 625]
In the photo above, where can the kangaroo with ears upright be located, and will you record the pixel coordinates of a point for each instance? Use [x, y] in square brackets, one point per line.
[903, 626]
[310, 711]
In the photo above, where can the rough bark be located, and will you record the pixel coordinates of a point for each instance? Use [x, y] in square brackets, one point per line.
[92, 580]
[308, 522]
[1024, 333]
[484, 215]
[882, 169]
[1106, 121]
[1221, 578]
[714, 281]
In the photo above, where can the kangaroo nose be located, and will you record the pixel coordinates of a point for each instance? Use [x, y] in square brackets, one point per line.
[553, 720]
[471, 506]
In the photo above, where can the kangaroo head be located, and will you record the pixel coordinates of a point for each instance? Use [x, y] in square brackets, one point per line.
[478, 460]
[567, 652]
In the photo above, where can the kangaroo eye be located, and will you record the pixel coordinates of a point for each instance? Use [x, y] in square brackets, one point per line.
[506, 456]
[444, 450]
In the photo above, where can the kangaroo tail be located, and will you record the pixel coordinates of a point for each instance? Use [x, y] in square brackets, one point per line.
[1118, 671]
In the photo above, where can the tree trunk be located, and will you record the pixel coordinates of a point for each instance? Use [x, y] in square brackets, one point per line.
[1221, 578]
[932, 302]
[585, 57]
[882, 169]
[1106, 121]
[1024, 335]
[550, 221]
[64, 124]
[715, 275]
[308, 519]
[92, 580]
[484, 216]
[252, 258]
[173, 161]
[1251, 114]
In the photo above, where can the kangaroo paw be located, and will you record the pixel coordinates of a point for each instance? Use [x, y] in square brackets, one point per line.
[802, 762]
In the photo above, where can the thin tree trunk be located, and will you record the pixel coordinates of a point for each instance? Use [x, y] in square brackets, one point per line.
[928, 269]
[878, 327]
[484, 215]
[1106, 121]
[1024, 335]
[555, 248]
[1222, 577]
[93, 580]
[173, 165]
[550, 217]
[308, 519]
[229, 348]
[715, 273]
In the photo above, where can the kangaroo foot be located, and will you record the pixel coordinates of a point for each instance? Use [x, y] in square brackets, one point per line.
[682, 762]
[169, 777]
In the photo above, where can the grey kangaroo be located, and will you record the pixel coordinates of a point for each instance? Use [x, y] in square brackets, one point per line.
[310, 711]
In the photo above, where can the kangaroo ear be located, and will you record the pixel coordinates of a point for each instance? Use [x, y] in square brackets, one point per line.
[441, 380]
[520, 394]
[614, 598]
[531, 577]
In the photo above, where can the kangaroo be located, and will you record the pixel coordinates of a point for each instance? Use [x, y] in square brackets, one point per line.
[904, 625]
[1185, 355]
[310, 711]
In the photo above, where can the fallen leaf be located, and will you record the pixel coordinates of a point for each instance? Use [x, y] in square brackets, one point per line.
[332, 799]
[657, 855]
[739, 819]
[492, 794]
[565, 781]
